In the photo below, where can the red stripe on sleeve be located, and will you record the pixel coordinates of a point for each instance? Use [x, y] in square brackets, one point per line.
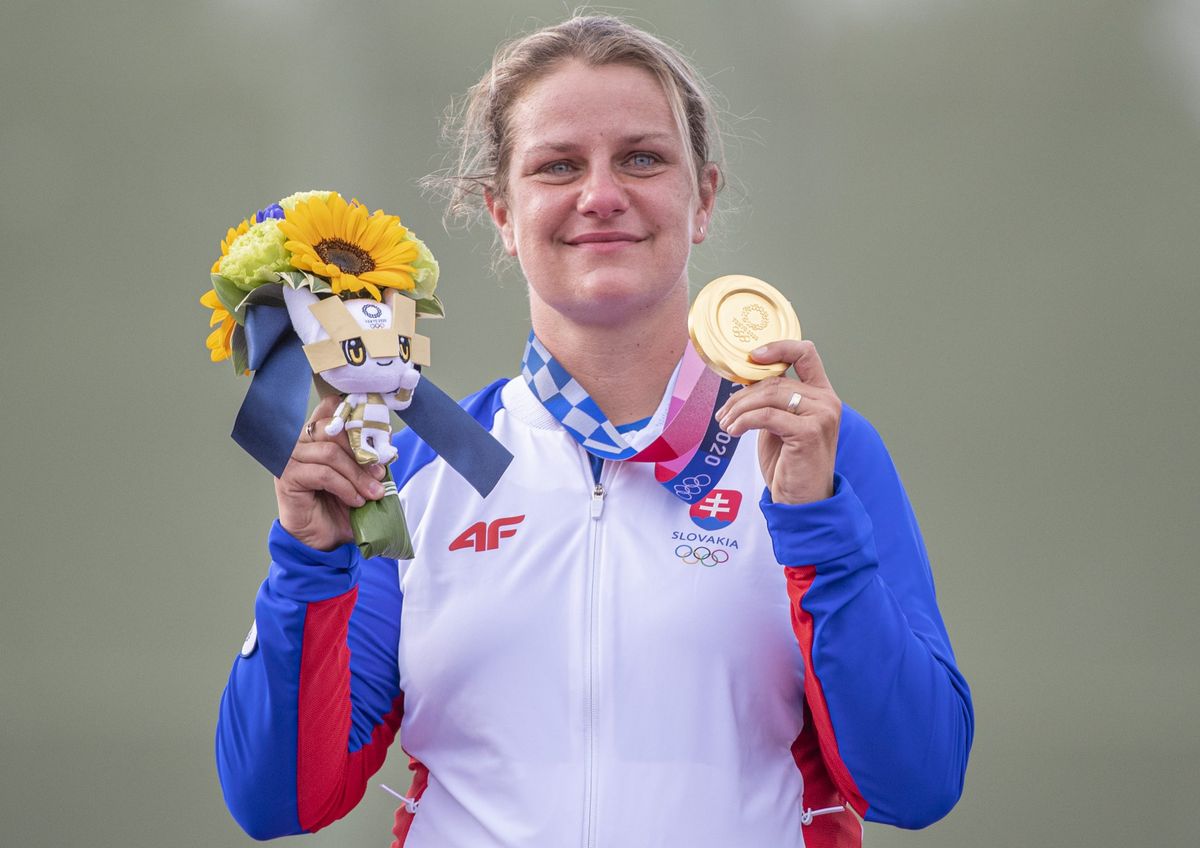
[404, 818]
[799, 580]
[831, 830]
[329, 780]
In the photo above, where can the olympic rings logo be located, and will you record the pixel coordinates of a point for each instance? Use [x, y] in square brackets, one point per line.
[754, 319]
[689, 487]
[700, 555]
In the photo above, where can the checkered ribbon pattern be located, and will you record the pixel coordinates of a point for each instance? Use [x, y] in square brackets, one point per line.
[683, 440]
[570, 403]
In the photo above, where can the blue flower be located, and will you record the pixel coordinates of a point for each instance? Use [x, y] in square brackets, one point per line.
[272, 211]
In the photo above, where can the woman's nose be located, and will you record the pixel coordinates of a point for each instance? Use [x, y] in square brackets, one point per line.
[601, 194]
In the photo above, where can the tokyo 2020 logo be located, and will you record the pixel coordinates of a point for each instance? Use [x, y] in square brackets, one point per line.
[701, 555]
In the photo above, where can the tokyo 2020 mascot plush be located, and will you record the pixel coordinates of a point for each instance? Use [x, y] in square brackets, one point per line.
[368, 351]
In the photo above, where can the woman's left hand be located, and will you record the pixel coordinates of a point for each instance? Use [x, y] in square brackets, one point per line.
[799, 419]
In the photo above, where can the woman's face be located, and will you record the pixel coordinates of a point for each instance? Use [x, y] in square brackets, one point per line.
[601, 206]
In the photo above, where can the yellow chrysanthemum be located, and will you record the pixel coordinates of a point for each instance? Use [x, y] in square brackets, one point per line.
[218, 343]
[353, 250]
[229, 239]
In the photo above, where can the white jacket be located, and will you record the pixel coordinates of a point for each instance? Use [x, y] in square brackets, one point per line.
[579, 663]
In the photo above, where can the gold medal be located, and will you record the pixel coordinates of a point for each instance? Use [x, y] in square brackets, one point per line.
[734, 315]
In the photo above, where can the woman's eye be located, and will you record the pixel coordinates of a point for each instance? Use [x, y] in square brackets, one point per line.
[643, 160]
[558, 169]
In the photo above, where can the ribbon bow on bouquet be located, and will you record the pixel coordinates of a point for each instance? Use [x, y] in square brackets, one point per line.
[314, 285]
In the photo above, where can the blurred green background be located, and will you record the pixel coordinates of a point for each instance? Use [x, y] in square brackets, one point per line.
[985, 212]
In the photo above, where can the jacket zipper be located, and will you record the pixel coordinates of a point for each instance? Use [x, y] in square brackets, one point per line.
[597, 501]
[591, 682]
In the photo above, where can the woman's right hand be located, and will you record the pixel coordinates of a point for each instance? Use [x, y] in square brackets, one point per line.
[321, 482]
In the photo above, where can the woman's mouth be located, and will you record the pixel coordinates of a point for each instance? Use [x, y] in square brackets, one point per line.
[604, 240]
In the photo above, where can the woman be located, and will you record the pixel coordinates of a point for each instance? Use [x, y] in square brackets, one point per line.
[562, 672]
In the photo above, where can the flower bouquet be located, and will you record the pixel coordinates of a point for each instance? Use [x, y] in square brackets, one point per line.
[351, 285]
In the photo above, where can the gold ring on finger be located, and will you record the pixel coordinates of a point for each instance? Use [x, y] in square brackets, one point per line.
[794, 404]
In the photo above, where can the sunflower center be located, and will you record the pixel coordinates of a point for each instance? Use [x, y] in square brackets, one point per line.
[350, 258]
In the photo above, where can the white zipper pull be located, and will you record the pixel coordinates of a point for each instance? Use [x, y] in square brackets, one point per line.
[806, 816]
[597, 500]
[410, 804]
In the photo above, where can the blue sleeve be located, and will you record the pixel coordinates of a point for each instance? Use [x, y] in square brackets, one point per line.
[308, 714]
[892, 709]
[309, 710]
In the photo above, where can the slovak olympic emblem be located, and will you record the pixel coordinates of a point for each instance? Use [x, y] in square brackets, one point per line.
[717, 509]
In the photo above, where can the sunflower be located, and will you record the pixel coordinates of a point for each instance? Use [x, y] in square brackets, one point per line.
[219, 345]
[230, 238]
[353, 250]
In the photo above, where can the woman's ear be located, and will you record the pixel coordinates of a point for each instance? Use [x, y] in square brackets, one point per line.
[498, 209]
[710, 178]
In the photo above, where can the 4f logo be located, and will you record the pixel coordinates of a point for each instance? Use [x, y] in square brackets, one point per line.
[717, 509]
[485, 536]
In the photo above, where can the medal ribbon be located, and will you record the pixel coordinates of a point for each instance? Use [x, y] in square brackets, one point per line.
[690, 453]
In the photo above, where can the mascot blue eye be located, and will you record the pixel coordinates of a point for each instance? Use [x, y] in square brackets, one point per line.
[355, 351]
[405, 348]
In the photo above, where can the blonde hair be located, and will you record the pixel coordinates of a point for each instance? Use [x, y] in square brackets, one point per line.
[480, 128]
